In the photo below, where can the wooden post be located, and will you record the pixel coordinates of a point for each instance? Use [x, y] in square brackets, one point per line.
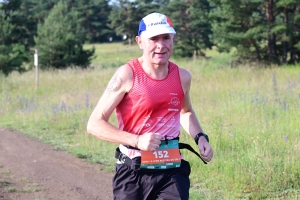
[36, 64]
[195, 55]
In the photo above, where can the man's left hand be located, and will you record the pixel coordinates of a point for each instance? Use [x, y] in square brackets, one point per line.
[205, 149]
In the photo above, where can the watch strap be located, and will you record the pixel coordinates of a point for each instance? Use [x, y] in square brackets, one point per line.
[199, 135]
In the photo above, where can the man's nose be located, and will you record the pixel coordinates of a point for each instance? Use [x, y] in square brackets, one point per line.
[160, 43]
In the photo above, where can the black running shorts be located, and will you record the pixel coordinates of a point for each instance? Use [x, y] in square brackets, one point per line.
[147, 184]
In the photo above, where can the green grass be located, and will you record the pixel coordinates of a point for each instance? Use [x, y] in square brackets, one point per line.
[250, 113]
[113, 54]
[9, 185]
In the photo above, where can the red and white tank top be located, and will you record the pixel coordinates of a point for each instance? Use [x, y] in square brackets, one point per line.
[151, 105]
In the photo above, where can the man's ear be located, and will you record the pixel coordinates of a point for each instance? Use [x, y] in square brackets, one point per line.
[138, 40]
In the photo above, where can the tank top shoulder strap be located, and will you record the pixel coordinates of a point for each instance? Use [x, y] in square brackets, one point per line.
[173, 65]
[174, 69]
[133, 64]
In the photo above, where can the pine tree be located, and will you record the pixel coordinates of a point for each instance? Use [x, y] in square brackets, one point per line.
[145, 7]
[190, 20]
[264, 31]
[124, 19]
[98, 30]
[239, 24]
[94, 15]
[288, 31]
[12, 55]
[12, 51]
[21, 17]
[60, 39]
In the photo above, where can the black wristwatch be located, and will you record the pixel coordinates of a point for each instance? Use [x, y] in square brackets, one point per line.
[199, 135]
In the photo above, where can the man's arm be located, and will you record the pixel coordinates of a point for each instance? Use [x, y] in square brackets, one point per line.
[98, 124]
[188, 118]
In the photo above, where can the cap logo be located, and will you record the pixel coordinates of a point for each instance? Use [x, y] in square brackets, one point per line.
[156, 23]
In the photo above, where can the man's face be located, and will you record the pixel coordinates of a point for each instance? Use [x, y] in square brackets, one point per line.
[157, 49]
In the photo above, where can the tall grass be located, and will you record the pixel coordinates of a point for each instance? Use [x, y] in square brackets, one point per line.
[250, 113]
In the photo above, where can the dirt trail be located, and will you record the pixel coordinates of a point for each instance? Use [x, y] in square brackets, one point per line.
[31, 170]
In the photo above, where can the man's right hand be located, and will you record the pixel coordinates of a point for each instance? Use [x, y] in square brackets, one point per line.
[149, 141]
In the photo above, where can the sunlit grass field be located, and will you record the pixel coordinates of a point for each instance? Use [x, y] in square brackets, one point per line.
[252, 115]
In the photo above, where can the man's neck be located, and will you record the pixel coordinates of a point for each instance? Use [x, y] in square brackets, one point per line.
[153, 70]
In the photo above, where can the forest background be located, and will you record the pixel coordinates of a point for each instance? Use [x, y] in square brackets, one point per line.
[245, 88]
[264, 31]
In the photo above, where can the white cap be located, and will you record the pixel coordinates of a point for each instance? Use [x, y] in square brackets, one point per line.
[155, 24]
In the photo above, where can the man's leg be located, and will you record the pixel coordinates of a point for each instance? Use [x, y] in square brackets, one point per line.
[175, 184]
[126, 184]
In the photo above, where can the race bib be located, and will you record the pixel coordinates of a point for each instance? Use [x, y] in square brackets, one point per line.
[165, 157]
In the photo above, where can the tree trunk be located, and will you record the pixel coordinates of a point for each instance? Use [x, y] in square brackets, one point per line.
[130, 40]
[257, 51]
[285, 43]
[292, 57]
[271, 36]
[294, 52]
